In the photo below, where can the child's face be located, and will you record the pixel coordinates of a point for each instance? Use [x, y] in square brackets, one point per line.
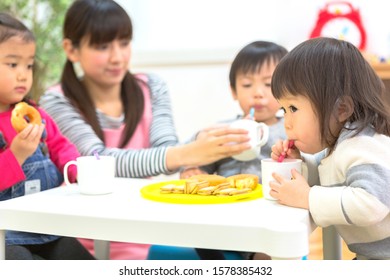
[254, 90]
[104, 65]
[301, 124]
[16, 70]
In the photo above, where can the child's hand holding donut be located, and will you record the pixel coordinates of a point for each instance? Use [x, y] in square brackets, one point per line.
[26, 142]
[23, 114]
[27, 121]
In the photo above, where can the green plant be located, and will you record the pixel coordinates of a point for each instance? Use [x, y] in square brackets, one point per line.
[45, 19]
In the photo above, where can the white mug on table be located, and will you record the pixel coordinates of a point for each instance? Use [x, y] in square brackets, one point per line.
[95, 175]
[269, 166]
[258, 133]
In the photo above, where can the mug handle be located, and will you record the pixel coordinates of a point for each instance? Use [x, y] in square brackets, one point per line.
[66, 171]
[265, 134]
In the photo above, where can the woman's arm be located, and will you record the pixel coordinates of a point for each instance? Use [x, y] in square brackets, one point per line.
[130, 163]
[162, 129]
[165, 156]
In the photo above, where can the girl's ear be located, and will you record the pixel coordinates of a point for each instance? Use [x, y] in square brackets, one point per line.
[345, 108]
[70, 51]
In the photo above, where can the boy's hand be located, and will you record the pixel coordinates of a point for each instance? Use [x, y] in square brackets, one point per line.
[26, 142]
[191, 171]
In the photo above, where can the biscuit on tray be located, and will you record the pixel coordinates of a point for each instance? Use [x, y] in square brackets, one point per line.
[214, 185]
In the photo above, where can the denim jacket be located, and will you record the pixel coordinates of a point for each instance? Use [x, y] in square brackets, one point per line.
[41, 174]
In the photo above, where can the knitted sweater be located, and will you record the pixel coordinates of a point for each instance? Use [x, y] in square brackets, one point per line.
[354, 193]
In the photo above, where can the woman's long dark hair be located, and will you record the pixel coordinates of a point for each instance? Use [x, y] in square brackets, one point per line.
[101, 21]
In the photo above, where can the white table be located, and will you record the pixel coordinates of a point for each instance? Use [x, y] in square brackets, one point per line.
[124, 215]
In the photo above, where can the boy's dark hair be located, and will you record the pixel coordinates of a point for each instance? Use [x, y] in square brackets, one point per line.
[252, 57]
[100, 21]
[10, 27]
[325, 70]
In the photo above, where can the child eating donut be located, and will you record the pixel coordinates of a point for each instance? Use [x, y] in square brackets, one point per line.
[31, 146]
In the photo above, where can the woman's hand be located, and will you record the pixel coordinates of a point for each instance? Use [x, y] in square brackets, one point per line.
[219, 130]
[26, 142]
[217, 143]
[293, 192]
[211, 145]
[285, 149]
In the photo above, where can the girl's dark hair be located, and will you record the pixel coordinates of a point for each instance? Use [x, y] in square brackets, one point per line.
[101, 21]
[325, 70]
[11, 27]
[252, 57]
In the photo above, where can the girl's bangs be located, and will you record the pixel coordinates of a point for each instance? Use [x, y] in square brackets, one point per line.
[106, 27]
[287, 79]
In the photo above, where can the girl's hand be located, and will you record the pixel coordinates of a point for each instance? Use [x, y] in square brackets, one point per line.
[293, 192]
[191, 171]
[282, 147]
[26, 142]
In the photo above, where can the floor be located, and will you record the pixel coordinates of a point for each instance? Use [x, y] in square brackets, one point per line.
[315, 247]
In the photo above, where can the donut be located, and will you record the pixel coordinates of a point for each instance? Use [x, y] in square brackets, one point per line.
[242, 181]
[23, 114]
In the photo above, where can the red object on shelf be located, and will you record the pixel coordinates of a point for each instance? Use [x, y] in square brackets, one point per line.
[325, 16]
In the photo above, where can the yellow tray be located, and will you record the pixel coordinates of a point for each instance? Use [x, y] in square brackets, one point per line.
[152, 192]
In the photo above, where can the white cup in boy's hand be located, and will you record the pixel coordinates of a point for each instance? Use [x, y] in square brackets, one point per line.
[258, 134]
[95, 175]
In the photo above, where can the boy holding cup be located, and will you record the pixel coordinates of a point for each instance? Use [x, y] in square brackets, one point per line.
[250, 82]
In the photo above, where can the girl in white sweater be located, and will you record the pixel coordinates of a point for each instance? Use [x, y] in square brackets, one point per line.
[335, 109]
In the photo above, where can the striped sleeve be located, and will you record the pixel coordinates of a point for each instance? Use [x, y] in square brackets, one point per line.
[130, 163]
[163, 130]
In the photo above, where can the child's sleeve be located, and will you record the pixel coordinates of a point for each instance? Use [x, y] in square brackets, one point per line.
[310, 166]
[11, 171]
[61, 150]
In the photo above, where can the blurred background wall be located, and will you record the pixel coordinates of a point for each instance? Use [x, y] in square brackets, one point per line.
[191, 44]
